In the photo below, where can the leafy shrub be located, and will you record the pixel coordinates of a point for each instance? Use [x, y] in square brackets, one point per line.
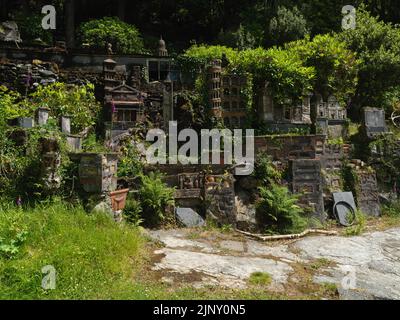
[285, 71]
[335, 65]
[92, 144]
[129, 164]
[124, 37]
[287, 25]
[377, 45]
[279, 211]
[155, 197]
[265, 171]
[79, 102]
[12, 105]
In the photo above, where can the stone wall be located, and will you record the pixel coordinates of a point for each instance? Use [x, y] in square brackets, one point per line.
[220, 198]
[307, 181]
[98, 172]
[367, 193]
[14, 74]
[286, 148]
[18, 75]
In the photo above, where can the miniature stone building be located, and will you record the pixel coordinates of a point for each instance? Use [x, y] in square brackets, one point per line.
[124, 105]
[162, 48]
[51, 161]
[220, 194]
[329, 117]
[282, 116]
[225, 95]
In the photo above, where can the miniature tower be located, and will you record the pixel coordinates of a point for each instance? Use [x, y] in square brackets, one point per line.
[109, 74]
[214, 86]
[162, 49]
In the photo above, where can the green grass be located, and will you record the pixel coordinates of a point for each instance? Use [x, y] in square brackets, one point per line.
[260, 279]
[320, 263]
[94, 257]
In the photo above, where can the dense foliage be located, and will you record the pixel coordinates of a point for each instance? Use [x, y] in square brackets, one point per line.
[79, 102]
[377, 45]
[336, 67]
[124, 37]
[288, 25]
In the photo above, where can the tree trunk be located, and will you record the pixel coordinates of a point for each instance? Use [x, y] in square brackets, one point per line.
[70, 23]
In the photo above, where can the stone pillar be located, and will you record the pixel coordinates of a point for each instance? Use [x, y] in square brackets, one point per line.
[42, 116]
[66, 124]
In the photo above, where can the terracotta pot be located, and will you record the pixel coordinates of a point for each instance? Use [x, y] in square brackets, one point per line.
[118, 199]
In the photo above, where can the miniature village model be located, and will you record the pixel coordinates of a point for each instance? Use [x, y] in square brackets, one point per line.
[130, 102]
[82, 109]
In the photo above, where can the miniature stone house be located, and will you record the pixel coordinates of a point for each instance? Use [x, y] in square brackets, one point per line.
[329, 117]
[282, 116]
[124, 105]
[225, 95]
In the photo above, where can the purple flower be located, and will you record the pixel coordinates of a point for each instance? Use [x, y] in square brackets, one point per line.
[19, 202]
[113, 108]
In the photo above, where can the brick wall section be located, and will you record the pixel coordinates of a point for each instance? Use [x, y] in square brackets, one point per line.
[307, 181]
[367, 194]
[286, 148]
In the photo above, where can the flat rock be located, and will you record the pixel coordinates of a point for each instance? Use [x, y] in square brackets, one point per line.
[189, 218]
[363, 267]
[230, 271]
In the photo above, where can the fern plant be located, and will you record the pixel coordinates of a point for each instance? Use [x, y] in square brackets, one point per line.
[155, 197]
[279, 211]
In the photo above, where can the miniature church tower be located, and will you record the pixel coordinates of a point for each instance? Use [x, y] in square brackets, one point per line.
[162, 49]
[109, 74]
